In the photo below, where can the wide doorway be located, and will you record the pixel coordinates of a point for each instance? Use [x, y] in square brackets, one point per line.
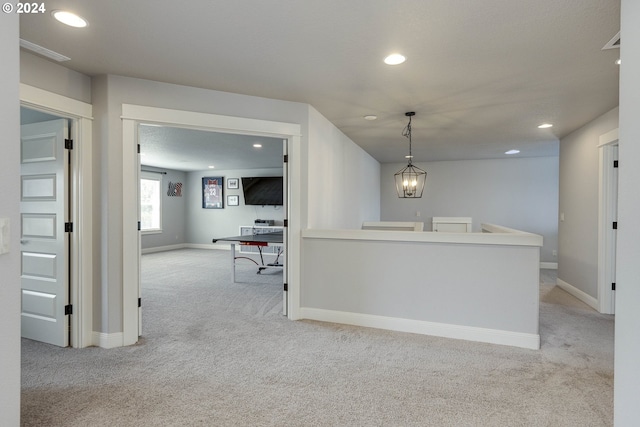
[135, 115]
[197, 186]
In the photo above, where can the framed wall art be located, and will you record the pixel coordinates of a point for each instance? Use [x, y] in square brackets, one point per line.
[212, 197]
[233, 183]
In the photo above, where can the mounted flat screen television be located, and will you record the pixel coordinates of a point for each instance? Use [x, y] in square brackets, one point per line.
[262, 190]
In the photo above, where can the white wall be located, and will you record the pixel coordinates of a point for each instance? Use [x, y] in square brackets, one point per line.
[520, 193]
[206, 224]
[41, 73]
[100, 200]
[343, 178]
[627, 344]
[480, 288]
[174, 211]
[579, 176]
[9, 208]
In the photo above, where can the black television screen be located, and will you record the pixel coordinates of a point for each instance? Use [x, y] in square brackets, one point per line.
[262, 190]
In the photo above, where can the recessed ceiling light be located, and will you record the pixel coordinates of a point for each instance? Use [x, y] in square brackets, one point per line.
[69, 18]
[394, 59]
[545, 126]
[512, 152]
[257, 145]
[370, 117]
[211, 167]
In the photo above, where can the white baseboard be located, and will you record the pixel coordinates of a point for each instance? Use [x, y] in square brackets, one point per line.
[224, 247]
[582, 296]
[164, 248]
[221, 246]
[469, 333]
[105, 340]
[549, 265]
[185, 246]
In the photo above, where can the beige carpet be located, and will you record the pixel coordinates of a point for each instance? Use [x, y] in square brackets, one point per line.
[216, 353]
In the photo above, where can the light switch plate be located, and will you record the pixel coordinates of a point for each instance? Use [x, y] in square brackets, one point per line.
[4, 235]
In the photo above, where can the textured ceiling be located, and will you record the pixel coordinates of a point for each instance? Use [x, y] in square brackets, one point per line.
[195, 150]
[480, 74]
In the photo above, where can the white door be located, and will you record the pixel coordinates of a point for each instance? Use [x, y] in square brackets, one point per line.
[44, 242]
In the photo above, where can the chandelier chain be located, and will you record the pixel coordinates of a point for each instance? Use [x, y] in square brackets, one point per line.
[406, 132]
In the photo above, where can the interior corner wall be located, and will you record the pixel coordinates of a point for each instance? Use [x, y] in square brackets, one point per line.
[205, 224]
[578, 203]
[174, 212]
[10, 211]
[520, 193]
[343, 178]
[627, 344]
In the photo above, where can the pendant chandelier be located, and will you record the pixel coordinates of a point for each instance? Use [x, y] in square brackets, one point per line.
[410, 180]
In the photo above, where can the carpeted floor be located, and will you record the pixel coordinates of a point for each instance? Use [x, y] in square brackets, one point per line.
[214, 353]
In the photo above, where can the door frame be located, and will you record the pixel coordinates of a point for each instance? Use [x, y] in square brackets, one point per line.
[607, 198]
[286, 201]
[81, 209]
[134, 115]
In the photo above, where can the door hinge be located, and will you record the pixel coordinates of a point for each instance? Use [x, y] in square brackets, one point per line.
[286, 158]
[286, 287]
[285, 223]
[68, 227]
[613, 286]
[615, 225]
[615, 163]
[139, 225]
[68, 144]
[138, 148]
[68, 309]
[139, 302]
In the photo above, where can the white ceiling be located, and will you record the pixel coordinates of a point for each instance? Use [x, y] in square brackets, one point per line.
[480, 74]
[196, 150]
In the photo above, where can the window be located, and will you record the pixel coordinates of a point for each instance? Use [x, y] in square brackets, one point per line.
[150, 202]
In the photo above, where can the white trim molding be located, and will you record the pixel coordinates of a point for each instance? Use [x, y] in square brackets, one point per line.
[468, 333]
[166, 248]
[104, 340]
[581, 295]
[549, 265]
[42, 100]
[608, 138]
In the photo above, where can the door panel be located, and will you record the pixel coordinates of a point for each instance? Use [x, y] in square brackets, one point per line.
[44, 242]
